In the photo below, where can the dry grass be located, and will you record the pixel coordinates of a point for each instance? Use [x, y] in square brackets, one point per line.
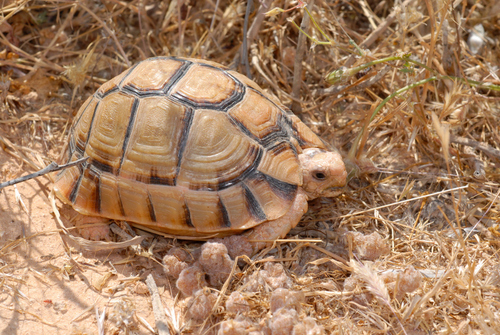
[414, 112]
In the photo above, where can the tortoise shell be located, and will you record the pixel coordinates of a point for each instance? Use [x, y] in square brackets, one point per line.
[186, 147]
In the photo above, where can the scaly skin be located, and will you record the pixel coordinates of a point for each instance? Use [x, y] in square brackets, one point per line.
[272, 230]
[314, 163]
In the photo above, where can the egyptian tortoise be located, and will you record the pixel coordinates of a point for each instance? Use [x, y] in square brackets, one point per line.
[189, 148]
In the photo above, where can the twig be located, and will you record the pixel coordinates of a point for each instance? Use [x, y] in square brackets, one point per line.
[257, 22]
[59, 32]
[25, 312]
[180, 27]
[297, 67]
[14, 9]
[224, 288]
[404, 201]
[52, 167]
[484, 215]
[16, 152]
[476, 145]
[210, 31]
[255, 64]
[356, 147]
[244, 45]
[160, 318]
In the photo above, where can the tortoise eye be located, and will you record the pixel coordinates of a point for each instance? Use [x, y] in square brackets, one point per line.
[319, 175]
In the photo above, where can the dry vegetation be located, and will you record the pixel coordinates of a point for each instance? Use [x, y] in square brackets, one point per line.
[411, 247]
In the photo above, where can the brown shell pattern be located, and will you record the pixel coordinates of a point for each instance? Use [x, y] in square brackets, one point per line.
[186, 147]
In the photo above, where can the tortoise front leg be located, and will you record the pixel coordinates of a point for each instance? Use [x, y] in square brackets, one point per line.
[272, 230]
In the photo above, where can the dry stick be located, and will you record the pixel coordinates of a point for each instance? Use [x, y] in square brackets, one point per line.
[25, 312]
[255, 63]
[38, 62]
[257, 22]
[482, 217]
[16, 9]
[249, 37]
[475, 144]
[377, 32]
[344, 265]
[224, 287]
[167, 14]
[126, 5]
[244, 45]
[180, 27]
[139, 14]
[434, 31]
[16, 152]
[158, 311]
[210, 30]
[369, 14]
[404, 201]
[446, 58]
[52, 167]
[297, 67]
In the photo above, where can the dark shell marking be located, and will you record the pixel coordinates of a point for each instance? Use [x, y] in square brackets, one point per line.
[119, 124]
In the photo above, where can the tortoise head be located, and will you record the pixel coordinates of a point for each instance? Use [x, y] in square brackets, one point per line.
[323, 173]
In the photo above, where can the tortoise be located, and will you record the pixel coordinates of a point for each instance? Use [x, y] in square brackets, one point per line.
[189, 148]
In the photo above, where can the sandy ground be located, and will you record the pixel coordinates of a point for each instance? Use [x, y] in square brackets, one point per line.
[47, 290]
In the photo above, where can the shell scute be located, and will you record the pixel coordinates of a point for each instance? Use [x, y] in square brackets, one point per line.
[305, 136]
[256, 114]
[85, 193]
[110, 198]
[228, 153]
[109, 129]
[207, 212]
[154, 74]
[112, 85]
[155, 143]
[242, 210]
[205, 86]
[273, 196]
[81, 127]
[134, 200]
[280, 163]
[168, 206]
